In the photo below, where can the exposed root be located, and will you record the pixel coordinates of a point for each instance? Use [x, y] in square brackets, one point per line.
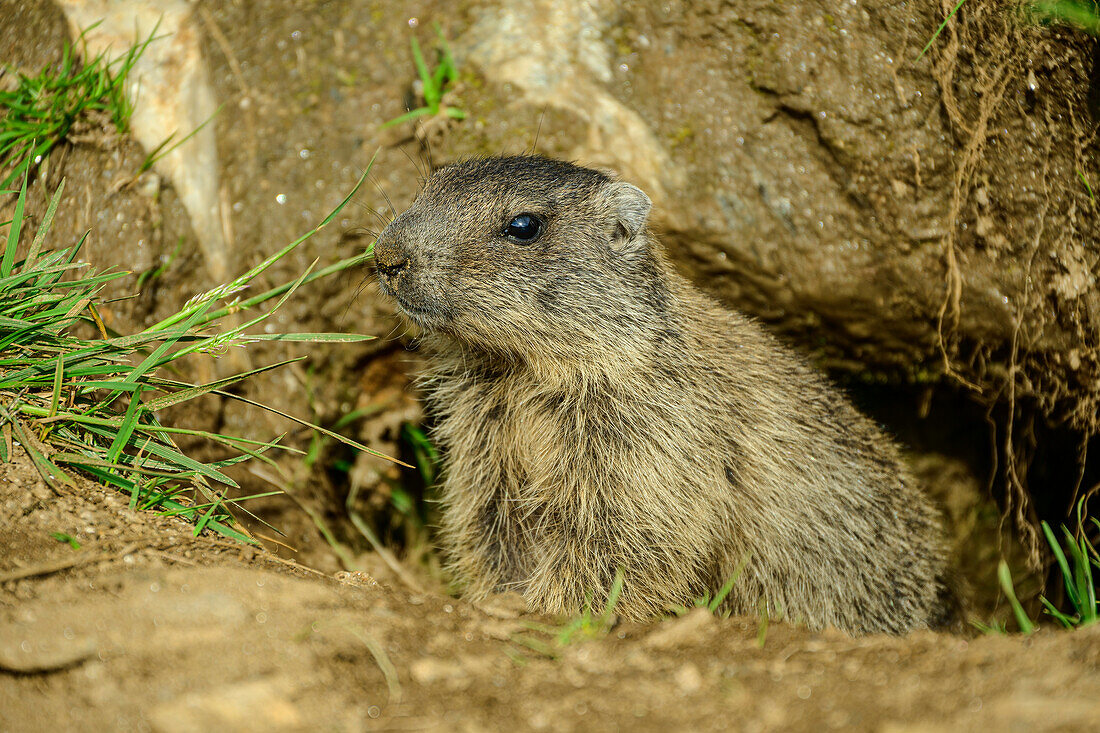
[986, 50]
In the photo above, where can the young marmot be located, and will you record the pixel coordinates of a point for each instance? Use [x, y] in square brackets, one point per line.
[597, 413]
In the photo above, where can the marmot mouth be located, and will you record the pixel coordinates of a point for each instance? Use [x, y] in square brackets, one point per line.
[427, 317]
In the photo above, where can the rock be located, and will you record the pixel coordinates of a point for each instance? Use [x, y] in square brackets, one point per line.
[569, 68]
[688, 679]
[503, 605]
[686, 630]
[260, 705]
[25, 652]
[458, 672]
[170, 89]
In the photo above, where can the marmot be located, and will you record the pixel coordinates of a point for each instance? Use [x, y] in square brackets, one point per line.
[599, 414]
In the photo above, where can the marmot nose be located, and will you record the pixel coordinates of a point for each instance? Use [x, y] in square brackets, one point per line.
[393, 268]
[388, 256]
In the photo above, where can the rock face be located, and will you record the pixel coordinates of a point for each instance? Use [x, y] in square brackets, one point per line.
[896, 214]
[817, 175]
[805, 165]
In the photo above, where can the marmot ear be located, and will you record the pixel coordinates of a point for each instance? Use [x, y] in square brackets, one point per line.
[631, 210]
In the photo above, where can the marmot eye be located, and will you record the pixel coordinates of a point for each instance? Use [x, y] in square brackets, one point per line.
[524, 228]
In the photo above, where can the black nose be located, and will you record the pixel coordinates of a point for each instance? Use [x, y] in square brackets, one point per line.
[389, 256]
[392, 268]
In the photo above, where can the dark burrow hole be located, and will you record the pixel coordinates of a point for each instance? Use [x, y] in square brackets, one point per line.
[948, 422]
[955, 425]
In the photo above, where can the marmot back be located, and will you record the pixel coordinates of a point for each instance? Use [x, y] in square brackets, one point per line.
[596, 412]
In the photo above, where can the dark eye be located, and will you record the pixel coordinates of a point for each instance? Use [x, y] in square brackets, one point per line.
[524, 228]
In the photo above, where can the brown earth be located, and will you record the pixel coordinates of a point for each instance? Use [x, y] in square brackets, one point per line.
[843, 202]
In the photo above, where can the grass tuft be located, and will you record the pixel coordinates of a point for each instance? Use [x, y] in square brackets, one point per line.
[1078, 562]
[592, 623]
[714, 603]
[42, 110]
[77, 399]
[1004, 576]
[434, 83]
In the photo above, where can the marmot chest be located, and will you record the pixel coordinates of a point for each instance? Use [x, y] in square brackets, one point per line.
[547, 444]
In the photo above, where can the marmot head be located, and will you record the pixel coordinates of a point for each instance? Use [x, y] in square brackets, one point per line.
[524, 256]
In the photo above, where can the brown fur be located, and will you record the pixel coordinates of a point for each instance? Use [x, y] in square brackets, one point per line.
[596, 412]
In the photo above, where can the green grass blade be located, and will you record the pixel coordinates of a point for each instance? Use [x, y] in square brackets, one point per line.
[987, 629]
[1082, 575]
[193, 391]
[939, 30]
[79, 459]
[20, 169]
[175, 457]
[358, 414]
[1068, 621]
[15, 324]
[1005, 578]
[612, 600]
[13, 231]
[44, 227]
[50, 472]
[87, 282]
[245, 455]
[305, 423]
[70, 255]
[407, 117]
[724, 591]
[206, 517]
[158, 153]
[155, 272]
[448, 60]
[439, 78]
[129, 421]
[312, 338]
[58, 375]
[431, 93]
[1087, 186]
[344, 264]
[1063, 565]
